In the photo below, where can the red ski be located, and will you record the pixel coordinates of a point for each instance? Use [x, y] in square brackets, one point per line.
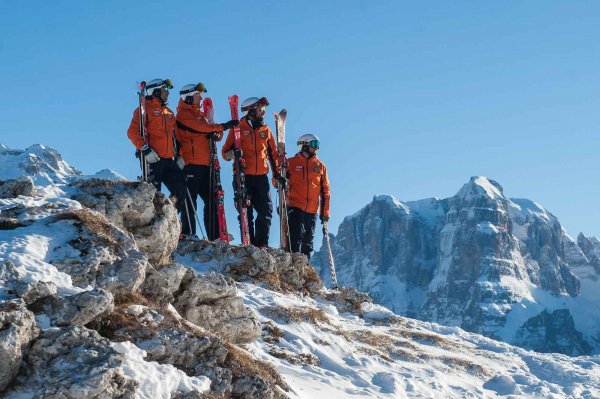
[215, 175]
[239, 166]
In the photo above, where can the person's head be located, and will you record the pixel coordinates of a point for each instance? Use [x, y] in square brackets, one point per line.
[255, 108]
[159, 88]
[308, 144]
[192, 93]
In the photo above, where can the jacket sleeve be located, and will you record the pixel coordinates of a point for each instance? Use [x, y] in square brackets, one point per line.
[325, 193]
[196, 125]
[228, 143]
[134, 130]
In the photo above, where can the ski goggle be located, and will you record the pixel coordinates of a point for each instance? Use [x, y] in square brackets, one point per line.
[167, 85]
[314, 144]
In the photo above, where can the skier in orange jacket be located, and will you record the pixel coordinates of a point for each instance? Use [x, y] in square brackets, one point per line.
[308, 193]
[258, 150]
[194, 133]
[159, 148]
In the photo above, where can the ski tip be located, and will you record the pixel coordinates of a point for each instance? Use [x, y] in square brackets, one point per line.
[140, 85]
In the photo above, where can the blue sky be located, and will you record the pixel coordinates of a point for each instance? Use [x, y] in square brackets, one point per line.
[408, 98]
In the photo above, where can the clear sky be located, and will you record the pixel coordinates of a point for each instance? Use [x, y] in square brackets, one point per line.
[409, 98]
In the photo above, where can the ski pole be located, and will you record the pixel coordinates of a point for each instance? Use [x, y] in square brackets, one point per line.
[331, 263]
[195, 213]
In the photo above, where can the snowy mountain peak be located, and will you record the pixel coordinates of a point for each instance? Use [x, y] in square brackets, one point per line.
[44, 164]
[480, 186]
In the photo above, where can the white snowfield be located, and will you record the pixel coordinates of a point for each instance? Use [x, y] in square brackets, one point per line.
[322, 352]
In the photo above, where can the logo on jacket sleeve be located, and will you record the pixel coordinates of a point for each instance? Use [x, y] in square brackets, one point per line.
[156, 112]
[316, 169]
[262, 135]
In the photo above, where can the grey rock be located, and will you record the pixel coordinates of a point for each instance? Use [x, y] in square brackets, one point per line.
[79, 309]
[210, 301]
[162, 282]
[14, 187]
[137, 208]
[101, 256]
[17, 330]
[74, 362]
[29, 292]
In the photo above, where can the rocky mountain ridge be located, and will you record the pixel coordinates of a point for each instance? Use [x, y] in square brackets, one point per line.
[500, 267]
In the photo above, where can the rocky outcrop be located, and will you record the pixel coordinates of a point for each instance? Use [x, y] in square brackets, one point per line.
[137, 208]
[74, 362]
[275, 268]
[552, 332]
[79, 309]
[17, 330]
[100, 255]
[209, 301]
[465, 260]
[12, 188]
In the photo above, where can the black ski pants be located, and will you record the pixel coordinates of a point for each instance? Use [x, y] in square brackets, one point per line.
[165, 171]
[198, 183]
[302, 230]
[259, 193]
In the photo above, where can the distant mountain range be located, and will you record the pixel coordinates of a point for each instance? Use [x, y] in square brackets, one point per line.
[501, 267]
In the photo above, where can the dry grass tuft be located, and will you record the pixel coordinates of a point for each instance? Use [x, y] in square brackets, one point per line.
[465, 365]
[298, 314]
[242, 363]
[387, 346]
[8, 306]
[10, 223]
[95, 222]
[295, 358]
[271, 333]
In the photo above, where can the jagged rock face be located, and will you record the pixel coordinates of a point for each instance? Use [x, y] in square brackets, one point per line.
[101, 255]
[465, 260]
[74, 362]
[137, 208]
[552, 332]
[12, 188]
[17, 330]
[79, 309]
[279, 270]
[211, 301]
[591, 249]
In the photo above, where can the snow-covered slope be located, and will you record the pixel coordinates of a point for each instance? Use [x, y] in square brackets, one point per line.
[501, 267]
[321, 343]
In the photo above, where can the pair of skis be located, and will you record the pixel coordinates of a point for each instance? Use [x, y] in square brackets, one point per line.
[142, 120]
[215, 177]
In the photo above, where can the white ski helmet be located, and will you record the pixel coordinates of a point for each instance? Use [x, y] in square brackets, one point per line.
[252, 103]
[191, 89]
[309, 140]
[156, 84]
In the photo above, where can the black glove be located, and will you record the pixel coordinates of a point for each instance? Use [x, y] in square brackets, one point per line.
[281, 179]
[324, 219]
[230, 124]
[214, 136]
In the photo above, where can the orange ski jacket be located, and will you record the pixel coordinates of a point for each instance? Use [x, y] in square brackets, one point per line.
[308, 184]
[192, 134]
[160, 124]
[258, 148]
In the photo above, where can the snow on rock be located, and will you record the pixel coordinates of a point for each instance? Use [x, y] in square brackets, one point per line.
[156, 380]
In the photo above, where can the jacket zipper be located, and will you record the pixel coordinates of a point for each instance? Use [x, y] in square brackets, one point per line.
[307, 185]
